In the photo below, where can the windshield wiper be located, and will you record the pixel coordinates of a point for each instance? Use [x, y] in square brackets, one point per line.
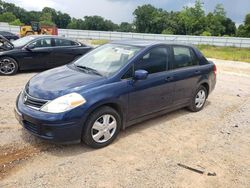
[88, 69]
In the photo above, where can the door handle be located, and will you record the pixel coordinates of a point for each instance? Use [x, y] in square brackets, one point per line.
[169, 78]
[197, 72]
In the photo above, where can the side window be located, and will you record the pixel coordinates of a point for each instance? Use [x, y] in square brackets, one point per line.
[184, 57]
[128, 74]
[63, 42]
[154, 61]
[42, 43]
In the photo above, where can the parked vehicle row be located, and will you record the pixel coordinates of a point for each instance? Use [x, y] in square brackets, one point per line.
[8, 35]
[36, 52]
[112, 87]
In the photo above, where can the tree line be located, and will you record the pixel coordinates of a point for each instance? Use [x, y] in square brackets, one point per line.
[147, 19]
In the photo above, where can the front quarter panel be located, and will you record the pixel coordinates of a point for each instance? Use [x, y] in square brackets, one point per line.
[113, 93]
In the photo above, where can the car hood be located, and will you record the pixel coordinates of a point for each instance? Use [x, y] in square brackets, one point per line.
[60, 81]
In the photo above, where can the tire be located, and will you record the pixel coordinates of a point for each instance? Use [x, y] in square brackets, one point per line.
[29, 33]
[196, 104]
[101, 127]
[8, 66]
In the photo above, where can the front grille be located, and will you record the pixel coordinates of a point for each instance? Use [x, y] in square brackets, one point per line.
[33, 102]
[31, 127]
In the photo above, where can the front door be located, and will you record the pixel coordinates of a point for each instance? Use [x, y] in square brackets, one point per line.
[156, 92]
[38, 56]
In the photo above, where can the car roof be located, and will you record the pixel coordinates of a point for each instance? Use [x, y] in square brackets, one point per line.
[46, 36]
[147, 43]
[6, 32]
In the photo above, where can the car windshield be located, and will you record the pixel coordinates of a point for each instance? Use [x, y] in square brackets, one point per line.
[107, 59]
[22, 41]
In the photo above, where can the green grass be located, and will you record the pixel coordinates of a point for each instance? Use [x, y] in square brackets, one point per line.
[226, 53]
[99, 42]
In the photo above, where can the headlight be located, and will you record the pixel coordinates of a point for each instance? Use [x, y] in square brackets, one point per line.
[64, 103]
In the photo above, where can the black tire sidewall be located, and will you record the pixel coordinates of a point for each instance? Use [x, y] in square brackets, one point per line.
[16, 66]
[87, 130]
[193, 107]
[28, 33]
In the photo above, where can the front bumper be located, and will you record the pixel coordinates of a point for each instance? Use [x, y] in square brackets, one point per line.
[62, 128]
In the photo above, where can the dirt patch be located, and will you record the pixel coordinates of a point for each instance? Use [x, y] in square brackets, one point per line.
[10, 158]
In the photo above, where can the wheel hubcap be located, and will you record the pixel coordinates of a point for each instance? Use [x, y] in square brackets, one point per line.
[200, 99]
[7, 66]
[104, 128]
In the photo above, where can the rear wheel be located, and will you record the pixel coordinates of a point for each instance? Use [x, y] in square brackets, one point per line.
[8, 66]
[199, 99]
[102, 127]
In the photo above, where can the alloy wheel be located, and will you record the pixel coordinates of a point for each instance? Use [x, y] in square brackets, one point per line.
[7, 66]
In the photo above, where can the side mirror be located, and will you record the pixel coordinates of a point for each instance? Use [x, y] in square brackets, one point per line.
[141, 75]
[30, 47]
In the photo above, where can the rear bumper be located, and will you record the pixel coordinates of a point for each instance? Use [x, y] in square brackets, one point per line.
[56, 128]
[212, 83]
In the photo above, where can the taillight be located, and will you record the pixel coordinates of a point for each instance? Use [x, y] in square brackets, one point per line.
[215, 71]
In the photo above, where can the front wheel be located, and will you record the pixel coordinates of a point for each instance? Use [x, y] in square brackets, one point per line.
[199, 99]
[8, 66]
[102, 127]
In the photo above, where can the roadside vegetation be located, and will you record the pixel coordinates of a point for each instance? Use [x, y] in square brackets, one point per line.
[98, 42]
[217, 52]
[147, 19]
[226, 53]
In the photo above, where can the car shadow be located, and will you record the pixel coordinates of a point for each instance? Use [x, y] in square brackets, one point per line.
[64, 150]
[148, 124]
[54, 148]
[31, 71]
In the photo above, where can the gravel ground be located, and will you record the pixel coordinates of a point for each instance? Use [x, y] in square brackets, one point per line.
[215, 140]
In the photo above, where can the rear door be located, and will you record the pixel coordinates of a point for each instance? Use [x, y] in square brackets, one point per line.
[64, 51]
[185, 66]
[156, 92]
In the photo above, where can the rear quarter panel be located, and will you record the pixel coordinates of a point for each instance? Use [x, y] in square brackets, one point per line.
[207, 77]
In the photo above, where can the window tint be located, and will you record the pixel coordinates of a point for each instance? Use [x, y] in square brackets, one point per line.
[128, 74]
[63, 42]
[155, 61]
[42, 43]
[184, 57]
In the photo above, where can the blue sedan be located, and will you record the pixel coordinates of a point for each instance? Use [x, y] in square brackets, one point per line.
[112, 87]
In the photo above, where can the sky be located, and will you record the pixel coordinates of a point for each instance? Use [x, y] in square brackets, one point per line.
[122, 10]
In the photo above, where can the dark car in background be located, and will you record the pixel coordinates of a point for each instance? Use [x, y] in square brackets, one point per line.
[37, 52]
[112, 87]
[8, 35]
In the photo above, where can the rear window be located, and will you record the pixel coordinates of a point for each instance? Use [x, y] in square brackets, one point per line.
[64, 42]
[184, 57]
